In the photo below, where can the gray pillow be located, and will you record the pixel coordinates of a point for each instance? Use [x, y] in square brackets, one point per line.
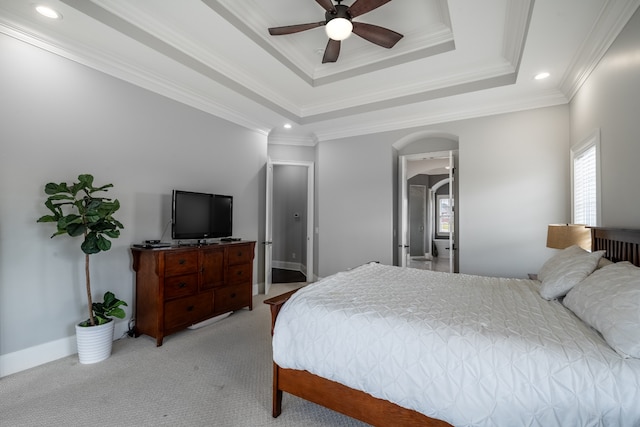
[609, 301]
[565, 270]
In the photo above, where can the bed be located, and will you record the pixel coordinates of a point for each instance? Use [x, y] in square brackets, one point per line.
[392, 346]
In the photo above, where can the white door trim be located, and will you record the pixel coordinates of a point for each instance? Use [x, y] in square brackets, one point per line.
[269, 217]
[403, 202]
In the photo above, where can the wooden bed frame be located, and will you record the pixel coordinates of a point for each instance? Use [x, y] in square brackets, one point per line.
[620, 245]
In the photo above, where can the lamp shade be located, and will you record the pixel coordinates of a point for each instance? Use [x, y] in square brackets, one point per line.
[560, 236]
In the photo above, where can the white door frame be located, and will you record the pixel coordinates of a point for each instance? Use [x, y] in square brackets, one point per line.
[403, 203]
[268, 241]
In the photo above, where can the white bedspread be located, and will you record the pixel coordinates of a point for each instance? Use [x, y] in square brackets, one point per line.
[469, 350]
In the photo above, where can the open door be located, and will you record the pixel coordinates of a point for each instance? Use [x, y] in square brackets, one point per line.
[453, 250]
[268, 230]
[403, 215]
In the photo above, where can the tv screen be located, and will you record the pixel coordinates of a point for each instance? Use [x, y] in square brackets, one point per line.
[201, 215]
[222, 225]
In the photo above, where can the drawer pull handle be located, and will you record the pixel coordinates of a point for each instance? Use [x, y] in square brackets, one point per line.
[233, 295]
[239, 273]
[182, 285]
[181, 261]
[190, 308]
[239, 254]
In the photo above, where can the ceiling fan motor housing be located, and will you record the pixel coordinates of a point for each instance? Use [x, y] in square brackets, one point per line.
[342, 11]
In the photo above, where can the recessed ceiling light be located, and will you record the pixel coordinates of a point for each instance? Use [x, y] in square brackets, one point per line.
[287, 126]
[48, 12]
[541, 76]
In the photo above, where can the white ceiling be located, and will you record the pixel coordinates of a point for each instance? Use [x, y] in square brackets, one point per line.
[458, 58]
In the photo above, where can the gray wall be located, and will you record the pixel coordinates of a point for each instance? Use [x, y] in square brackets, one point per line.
[518, 161]
[59, 119]
[610, 101]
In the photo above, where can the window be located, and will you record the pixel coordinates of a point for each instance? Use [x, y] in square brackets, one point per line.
[444, 214]
[585, 180]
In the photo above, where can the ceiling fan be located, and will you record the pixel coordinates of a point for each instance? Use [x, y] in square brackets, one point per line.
[339, 25]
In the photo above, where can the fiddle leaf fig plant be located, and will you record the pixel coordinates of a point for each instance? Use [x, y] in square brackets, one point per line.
[78, 212]
[103, 311]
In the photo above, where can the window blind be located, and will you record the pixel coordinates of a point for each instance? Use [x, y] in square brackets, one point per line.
[584, 187]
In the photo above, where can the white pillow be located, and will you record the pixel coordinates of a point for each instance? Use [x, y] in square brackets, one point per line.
[565, 270]
[609, 301]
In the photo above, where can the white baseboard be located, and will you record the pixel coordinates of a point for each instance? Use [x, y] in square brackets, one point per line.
[31, 357]
[287, 265]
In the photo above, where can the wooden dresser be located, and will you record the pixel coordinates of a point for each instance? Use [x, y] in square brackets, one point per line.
[179, 286]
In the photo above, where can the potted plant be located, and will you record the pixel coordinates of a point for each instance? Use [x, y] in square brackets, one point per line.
[77, 212]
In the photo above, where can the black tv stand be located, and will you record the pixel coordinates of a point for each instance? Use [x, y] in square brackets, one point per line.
[230, 239]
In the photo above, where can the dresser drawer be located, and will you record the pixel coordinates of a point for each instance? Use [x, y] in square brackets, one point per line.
[229, 298]
[239, 274]
[240, 254]
[180, 286]
[176, 264]
[187, 311]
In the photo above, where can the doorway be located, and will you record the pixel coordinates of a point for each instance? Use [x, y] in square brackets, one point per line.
[289, 222]
[427, 214]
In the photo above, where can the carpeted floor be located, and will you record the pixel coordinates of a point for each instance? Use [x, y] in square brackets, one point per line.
[219, 375]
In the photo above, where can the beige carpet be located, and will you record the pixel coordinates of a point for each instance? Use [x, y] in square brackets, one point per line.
[219, 375]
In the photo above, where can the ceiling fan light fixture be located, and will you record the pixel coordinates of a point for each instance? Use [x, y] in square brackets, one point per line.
[339, 29]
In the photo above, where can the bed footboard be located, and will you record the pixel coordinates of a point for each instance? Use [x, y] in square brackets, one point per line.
[338, 397]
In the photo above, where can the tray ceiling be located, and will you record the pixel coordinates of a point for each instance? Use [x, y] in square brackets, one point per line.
[457, 59]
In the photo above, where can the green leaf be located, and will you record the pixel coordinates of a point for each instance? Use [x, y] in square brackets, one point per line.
[90, 244]
[92, 217]
[117, 312]
[53, 188]
[101, 320]
[47, 218]
[68, 220]
[109, 298]
[110, 307]
[103, 243]
[60, 197]
[112, 233]
[86, 180]
[74, 229]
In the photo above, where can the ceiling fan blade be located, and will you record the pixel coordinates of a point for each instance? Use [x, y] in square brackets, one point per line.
[379, 35]
[332, 51]
[327, 5]
[290, 29]
[360, 7]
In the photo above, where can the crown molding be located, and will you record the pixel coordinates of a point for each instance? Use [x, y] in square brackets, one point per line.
[508, 105]
[304, 141]
[106, 63]
[517, 20]
[217, 67]
[482, 76]
[238, 15]
[613, 16]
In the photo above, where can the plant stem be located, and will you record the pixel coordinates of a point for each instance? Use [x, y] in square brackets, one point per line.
[88, 280]
[86, 272]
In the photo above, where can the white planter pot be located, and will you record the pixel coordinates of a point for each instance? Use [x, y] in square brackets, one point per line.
[94, 342]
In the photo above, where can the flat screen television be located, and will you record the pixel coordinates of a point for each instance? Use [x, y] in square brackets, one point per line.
[201, 215]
